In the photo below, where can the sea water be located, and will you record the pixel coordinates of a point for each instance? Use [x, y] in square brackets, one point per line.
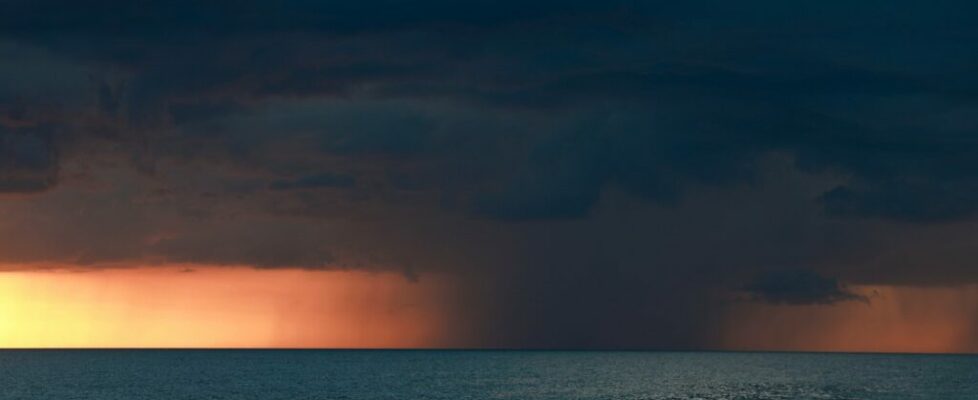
[457, 375]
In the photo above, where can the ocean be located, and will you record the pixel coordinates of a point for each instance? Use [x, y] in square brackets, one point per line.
[458, 375]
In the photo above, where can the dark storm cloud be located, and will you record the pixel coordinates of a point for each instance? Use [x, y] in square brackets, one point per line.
[579, 164]
[799, 287]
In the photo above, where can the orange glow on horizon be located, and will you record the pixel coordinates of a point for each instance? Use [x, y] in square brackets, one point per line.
[897, 319]
[217, 307]
[249, 308]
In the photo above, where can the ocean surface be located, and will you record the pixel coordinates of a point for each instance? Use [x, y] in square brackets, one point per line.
[457, 375]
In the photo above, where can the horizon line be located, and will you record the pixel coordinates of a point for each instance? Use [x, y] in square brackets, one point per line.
[491, 349]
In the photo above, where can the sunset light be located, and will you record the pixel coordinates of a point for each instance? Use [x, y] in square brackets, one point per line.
[216, 307]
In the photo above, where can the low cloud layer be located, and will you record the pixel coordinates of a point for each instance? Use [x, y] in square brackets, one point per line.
[798, 287]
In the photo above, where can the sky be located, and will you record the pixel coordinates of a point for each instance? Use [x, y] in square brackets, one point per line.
[758, 175]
